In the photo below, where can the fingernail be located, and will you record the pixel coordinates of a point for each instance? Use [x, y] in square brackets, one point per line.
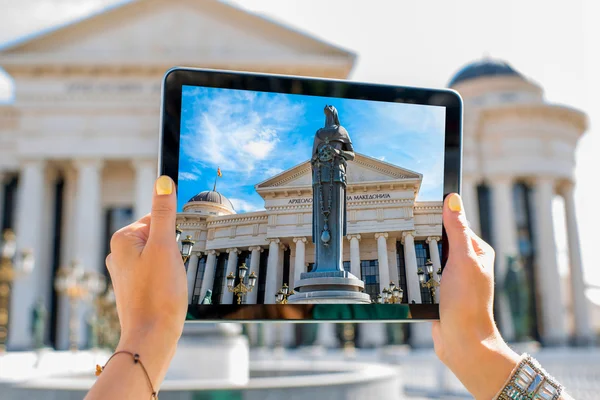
[164, 185]
[455, 203]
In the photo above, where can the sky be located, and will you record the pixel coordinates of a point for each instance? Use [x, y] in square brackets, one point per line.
[253, 136]
[423, 43]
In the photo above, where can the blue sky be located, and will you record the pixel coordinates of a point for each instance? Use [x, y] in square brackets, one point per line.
[252, 136]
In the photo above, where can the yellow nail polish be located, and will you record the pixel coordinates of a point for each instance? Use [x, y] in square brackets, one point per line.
[455, 203]
[164, 185]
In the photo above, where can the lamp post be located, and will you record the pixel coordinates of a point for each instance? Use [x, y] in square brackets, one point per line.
[241, 289]
[12, 266]
[282, 294]
[177, 233]
[429, 281]
[391, 295]
[109, 325]
[187, 245]
[78, 285]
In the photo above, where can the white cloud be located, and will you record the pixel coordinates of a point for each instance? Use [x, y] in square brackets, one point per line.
[273, 171]
[188, 176]
[245, 206]
[236, 130]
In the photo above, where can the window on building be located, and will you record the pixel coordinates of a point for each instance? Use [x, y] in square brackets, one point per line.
[310, 267]
[346, 265]
[369, 271]
[286, 266]
[401, 271]
[485, 211]
[422, 250]
[115, 218]
[9, 204]
[262, 277]
[197, 294]
[220, 281]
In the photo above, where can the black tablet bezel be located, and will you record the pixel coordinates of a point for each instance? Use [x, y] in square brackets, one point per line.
[168, 164]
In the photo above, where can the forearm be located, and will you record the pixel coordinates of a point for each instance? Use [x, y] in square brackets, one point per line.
[124, 379]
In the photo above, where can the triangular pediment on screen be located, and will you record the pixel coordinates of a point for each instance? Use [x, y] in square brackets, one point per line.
[362, 170]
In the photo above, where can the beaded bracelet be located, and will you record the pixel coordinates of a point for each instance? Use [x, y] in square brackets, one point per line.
[529, 381]
[136, 360]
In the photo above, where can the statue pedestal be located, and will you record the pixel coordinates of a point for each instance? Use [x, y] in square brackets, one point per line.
[213, 352]
[333, 287]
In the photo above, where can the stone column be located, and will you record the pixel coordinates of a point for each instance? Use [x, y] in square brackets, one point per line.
[299, 261]
[434, 252]
[583, 331]
[384, 271]
[232, 260]
[251, 298]
[372, 334]
[471, 202]
[411, 267]
[504, 241]
[145, 174]
[326, 336]
[272, 264]
[30, 206]
[547, 276]
[209, 273]
[354, 255]
[192, 269]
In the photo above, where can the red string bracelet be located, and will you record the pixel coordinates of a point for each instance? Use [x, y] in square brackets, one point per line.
[136, 360]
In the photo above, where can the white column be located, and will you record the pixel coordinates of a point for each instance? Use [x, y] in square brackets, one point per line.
[232, 260]
[191, 275]
[471, 203]
[411, 267]
[372, 334]
[548, 278]
[145, 174]
[504, 241]
[251, 298]
[583, 331]
[209, 273]
[30, 206]
[326, 336]
[384, 270]
[299, 261]
[272, 264]
[88, 226]
[355, 255]
[436, 260]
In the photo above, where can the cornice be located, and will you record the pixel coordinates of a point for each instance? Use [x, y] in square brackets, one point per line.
[564, 114]
[236, 219]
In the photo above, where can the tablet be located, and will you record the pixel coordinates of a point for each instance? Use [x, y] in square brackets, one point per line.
[305, 200]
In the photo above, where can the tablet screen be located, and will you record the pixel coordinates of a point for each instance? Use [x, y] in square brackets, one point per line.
[302, 199]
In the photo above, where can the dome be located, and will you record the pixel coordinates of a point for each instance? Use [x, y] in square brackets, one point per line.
[483, 68]
[212, 196]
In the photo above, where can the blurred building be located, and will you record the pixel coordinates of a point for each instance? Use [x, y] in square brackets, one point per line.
[78, 153]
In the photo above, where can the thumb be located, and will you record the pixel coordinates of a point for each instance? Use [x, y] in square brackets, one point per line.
[164, 208]
[456, 225]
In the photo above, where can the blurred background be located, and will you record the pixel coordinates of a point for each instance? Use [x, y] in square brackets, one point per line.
[80, 92]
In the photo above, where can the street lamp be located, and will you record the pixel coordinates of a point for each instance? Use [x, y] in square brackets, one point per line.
[78, 285]
[12, 266]
[429, 281]
[391, 295]
[241, 289]
[187, 245]
[282, 294]
[177, 233]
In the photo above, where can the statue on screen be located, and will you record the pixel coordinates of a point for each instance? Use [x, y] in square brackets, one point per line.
[332, 149]
[207, 297]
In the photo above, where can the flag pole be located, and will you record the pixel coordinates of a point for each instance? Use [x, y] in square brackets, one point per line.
[215, 186]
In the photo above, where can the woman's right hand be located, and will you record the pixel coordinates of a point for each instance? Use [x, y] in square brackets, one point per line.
[466, 338]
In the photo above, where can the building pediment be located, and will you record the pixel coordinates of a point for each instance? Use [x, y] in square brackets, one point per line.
[206, 33]
[363, 170]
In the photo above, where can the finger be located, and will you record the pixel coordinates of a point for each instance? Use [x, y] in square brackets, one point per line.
[163, 215]
[457, 227]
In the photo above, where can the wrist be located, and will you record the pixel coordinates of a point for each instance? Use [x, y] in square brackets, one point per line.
[155, 347]
[485, 367]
